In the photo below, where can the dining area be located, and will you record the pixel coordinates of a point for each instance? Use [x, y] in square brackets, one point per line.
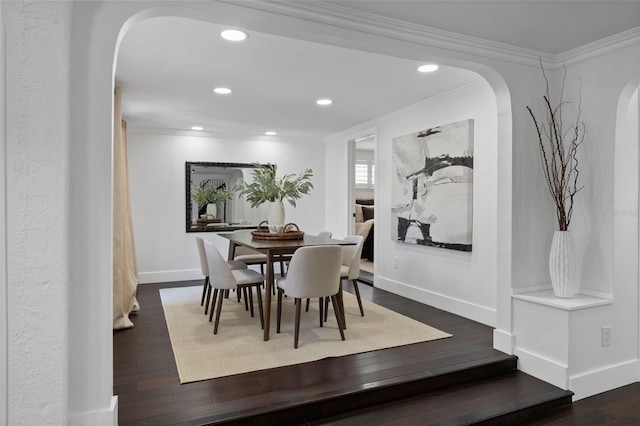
[268, 294]
[293, 265]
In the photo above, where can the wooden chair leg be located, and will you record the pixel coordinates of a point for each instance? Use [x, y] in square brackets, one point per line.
[341, 306]
[250, 291]
[320, 309]
[213, 303]
[297, 330]
[306, 309]
[260, 306]
[218, 310]
[326, 308]
[336, 309]
[204, 289]
[208, 284]
[246, 299]
[279, 311]
[282, 271]
[357, 290]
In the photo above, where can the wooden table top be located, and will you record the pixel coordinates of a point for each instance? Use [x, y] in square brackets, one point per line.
[245, 238]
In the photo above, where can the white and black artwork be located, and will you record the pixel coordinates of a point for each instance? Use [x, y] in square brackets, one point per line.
[432, 187]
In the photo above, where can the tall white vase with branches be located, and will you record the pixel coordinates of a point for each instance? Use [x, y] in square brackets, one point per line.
[558, 153]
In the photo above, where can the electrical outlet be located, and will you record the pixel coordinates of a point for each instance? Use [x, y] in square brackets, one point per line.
[396, 262]
[606, 335]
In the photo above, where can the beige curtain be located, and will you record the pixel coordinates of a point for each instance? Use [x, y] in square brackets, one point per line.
[125, 274]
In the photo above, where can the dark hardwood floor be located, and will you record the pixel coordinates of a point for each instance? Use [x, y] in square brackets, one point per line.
[149, 392]
[617, 407]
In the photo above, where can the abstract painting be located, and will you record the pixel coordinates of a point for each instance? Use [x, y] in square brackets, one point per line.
[432, 187]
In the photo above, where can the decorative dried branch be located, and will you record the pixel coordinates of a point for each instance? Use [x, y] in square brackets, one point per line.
[558, 152]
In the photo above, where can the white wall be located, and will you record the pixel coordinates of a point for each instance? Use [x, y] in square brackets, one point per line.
[460, 282]
[164, 251]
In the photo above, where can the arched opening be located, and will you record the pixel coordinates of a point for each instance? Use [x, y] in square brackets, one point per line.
[90, 326]
[626, 255]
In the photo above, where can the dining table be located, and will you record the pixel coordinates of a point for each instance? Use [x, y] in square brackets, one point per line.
[276, 251]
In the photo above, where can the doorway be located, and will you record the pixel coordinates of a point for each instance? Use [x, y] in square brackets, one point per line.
[363, 189]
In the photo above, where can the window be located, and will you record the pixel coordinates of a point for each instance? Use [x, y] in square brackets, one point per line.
[364, 174]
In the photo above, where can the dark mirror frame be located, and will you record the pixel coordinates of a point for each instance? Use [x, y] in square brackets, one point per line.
[188, 170]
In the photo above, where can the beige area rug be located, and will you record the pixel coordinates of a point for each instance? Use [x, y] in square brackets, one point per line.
[366, 265]
[238, 347]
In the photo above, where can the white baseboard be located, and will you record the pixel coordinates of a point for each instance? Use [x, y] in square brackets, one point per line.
[582, 385]
[108, 417]
[169, 276]
[503, 341]
[543, 368]
[478, 313]
[605, 379]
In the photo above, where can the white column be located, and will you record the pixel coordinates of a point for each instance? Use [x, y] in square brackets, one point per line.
[4, 406]
[36, 96]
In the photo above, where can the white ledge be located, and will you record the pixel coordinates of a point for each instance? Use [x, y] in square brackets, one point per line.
[546, 297]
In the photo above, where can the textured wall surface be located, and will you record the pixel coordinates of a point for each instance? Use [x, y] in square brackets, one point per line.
[37, 104]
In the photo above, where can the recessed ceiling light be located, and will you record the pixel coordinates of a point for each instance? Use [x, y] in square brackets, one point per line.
[324, 101]
[428, 68]
[270, 133]
[222, 90]
[197, 128]
[233, 35]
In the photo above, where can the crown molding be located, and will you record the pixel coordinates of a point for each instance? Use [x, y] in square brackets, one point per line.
[600, 47]
[364, 22]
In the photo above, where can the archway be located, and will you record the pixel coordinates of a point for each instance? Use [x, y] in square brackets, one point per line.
[625, 211]
[96, 42]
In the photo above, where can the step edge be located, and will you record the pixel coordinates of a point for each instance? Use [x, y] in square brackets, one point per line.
[504, 365]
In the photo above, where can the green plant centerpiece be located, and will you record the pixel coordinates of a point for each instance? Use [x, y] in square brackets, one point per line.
[266, 187]
[206, 195]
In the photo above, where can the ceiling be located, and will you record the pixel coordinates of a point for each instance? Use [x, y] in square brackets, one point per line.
[549, 26]
[167, 67]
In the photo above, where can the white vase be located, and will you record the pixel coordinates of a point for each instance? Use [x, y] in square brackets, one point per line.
[562, 265]
[276, 213]
[212, 209]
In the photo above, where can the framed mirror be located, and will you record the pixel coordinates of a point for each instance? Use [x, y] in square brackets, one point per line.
[234, 213]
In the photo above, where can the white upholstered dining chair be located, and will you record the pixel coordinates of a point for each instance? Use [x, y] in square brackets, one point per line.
[253, 257]
[313, 272]
[222, 277]
[350, 269]
[250, 257]
[204, 268]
